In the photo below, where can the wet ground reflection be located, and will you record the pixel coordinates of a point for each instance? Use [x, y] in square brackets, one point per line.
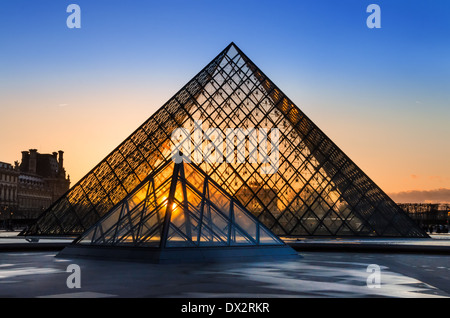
[313, 275]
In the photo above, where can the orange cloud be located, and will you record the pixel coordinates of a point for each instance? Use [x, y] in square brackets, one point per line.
[441, 195]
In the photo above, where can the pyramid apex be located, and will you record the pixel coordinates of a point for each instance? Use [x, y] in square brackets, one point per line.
[232, 44]
[233, 47]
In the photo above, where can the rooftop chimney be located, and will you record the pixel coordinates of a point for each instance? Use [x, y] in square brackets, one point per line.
[24, 156]
[61, 161]
[33, 161]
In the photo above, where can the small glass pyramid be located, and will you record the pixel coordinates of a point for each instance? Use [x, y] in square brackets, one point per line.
[179, 207]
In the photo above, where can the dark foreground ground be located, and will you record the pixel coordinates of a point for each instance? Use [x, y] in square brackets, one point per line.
[316, 274]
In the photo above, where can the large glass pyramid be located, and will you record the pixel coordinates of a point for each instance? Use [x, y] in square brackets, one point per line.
[307, 187]
[174, 210]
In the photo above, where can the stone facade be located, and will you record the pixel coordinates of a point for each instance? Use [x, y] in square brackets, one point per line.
[28, 188]
[9, 177]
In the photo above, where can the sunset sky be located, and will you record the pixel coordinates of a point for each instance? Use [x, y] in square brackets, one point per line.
[382, 95]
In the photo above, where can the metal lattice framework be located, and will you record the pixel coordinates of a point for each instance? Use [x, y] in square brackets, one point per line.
[317, 189]
[178, 206]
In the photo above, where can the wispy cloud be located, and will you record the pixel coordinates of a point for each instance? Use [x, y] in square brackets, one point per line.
[441, 195]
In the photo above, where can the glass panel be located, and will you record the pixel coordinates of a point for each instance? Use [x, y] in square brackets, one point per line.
[209, 238]
[126, 240]
[109, 221]
[237, 238]
[267, 238]
[178, 216]
[150, 229]
[152, 239]
[162, 194]
[87, 238]
[309, 222]
[143, 170]
[108, 237]
[332, 222]
[219, 199]
[194, 178]
[175, 239]
[244, 222]
[136, 214]
[220, 224]
[214, 228]
[179, 196]
[98, 238]
[138, 196]
[123, 226]
[163, 175]
[193, 198]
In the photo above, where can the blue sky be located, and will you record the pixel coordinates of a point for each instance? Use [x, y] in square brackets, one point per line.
[381, 94]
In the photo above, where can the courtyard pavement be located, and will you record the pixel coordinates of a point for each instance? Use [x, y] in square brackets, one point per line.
[315, 274]
[28, 270]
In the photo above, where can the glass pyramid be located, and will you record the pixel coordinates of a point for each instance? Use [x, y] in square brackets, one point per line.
[315, 189]
[179, 206]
